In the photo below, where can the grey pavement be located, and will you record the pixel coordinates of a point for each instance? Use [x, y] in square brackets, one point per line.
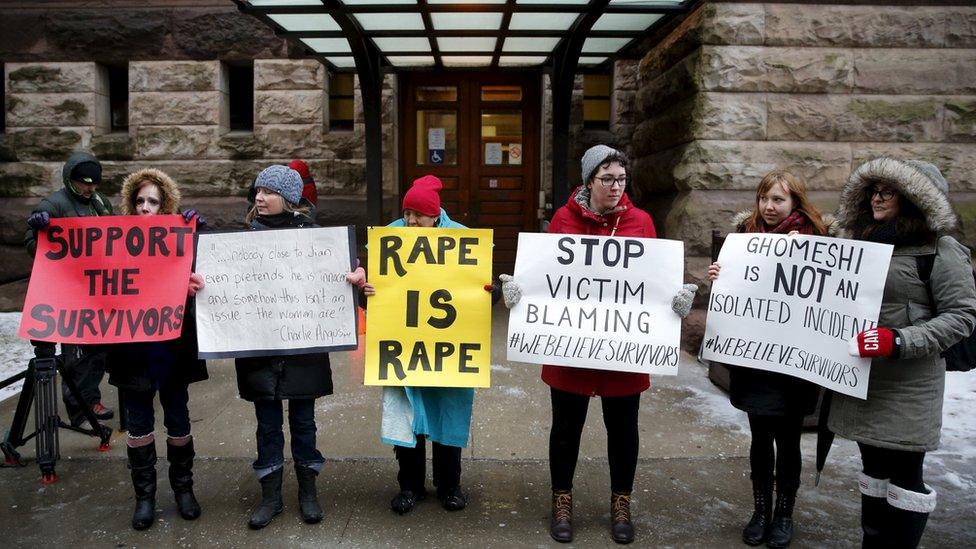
[692, 487]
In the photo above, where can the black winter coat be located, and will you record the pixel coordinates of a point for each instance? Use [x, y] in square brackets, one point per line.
[153, 365]
[282, 377]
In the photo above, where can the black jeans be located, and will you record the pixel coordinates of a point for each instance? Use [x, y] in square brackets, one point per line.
[86, 367]
[568, 418]
[785, 431]
[141, 413]
[271, 437]
[899, 467]
[413, 466]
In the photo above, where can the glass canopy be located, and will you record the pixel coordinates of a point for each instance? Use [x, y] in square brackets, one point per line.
[462, 33]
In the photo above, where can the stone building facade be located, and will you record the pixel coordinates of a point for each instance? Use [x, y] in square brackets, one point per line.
[722, 95]
[739, 88]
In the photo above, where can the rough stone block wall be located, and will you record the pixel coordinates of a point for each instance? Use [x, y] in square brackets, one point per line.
[738, 89]
[178, 111]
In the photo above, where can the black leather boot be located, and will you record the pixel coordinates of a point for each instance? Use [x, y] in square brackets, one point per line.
[756, 532]
[907, 516]
[561, 523]
[142, 465]
[270, 504]
[621, 527]
[308, 500]
[874, 511]
[781, 531]
[181, 478]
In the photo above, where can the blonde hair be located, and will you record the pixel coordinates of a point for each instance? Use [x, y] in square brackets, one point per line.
[798, 192]
[286, 207]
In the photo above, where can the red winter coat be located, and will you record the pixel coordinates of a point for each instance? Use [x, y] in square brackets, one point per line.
[629, 220]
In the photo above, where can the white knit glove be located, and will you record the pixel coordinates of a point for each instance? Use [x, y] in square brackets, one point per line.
[681, 304]
[511, 291]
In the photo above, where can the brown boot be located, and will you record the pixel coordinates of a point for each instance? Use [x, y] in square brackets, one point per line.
[621, 528]
[561, 525]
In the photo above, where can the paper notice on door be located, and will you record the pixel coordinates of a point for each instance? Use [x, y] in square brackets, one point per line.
[514, 153]
[493, 154]
[435, 139]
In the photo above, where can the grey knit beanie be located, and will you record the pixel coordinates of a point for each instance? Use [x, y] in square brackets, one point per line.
[932, 173]
[593, 158]
[282, 180]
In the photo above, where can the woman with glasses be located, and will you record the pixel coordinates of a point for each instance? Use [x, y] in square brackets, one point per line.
[776, 403]
[929, 304]
[598, 207]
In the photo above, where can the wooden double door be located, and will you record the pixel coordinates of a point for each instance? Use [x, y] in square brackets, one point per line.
[479, 133]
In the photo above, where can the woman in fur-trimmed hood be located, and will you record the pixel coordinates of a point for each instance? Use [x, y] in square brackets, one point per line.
[904, 203]
[134, 182]
[165, 368]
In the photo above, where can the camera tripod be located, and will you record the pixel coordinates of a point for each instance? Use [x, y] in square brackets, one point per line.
[41, 388]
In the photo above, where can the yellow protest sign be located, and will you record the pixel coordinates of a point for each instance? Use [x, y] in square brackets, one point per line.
[429, 324]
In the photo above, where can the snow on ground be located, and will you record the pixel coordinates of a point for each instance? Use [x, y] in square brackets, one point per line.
[14, 353]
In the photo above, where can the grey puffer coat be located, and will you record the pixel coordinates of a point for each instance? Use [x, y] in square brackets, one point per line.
[903, 409]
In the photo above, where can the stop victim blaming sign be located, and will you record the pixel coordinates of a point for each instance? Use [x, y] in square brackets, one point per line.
[429, 324]
[114, 279]
[274, 292]
[790, 304]
[597, 302]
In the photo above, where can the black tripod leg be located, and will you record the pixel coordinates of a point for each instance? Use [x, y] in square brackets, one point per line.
[14, 438]
[46, 417]
[123, 413]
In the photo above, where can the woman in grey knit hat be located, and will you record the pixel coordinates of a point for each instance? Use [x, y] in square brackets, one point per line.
[929, 304]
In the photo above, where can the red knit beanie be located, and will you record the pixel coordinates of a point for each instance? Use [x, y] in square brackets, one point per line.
[423, 196]
[309, 192]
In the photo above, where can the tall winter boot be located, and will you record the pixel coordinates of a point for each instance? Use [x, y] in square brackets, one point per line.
[308, 500]
[756, 532]
[180, 459]
[270, 505]
[621, 527]
[908, 514]
[781, 530]
[874, 510]
[561, 523]
[142, 466]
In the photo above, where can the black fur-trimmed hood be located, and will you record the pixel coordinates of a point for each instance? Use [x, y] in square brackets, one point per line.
[919, 182]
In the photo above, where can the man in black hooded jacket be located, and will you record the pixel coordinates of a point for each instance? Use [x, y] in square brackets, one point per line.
[81, 175]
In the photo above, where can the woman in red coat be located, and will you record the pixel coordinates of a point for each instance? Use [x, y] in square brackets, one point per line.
[598, 207]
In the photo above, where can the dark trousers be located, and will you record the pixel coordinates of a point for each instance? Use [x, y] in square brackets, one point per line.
[141, 413]
[413, 466]
[568, 418]
[271, 437]
[785, 432]
[86, 367]
[900, 467]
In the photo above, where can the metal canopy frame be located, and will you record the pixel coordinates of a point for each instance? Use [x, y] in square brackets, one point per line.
[370, 61]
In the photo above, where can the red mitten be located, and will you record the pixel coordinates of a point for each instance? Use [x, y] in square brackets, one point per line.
[875, 342]
[489, 288]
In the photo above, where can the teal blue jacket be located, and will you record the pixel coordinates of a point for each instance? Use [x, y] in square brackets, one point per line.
[442, 414]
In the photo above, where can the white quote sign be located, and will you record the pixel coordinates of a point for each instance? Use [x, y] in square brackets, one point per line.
[597, 302]
[276, 292]
[790, 304]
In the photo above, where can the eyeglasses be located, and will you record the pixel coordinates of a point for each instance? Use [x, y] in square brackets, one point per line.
[609, 180]
[885, 194]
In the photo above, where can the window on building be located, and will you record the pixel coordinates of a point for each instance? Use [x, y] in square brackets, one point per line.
[341, 101]
[596, 101]
[240, 86]
[118, 98]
